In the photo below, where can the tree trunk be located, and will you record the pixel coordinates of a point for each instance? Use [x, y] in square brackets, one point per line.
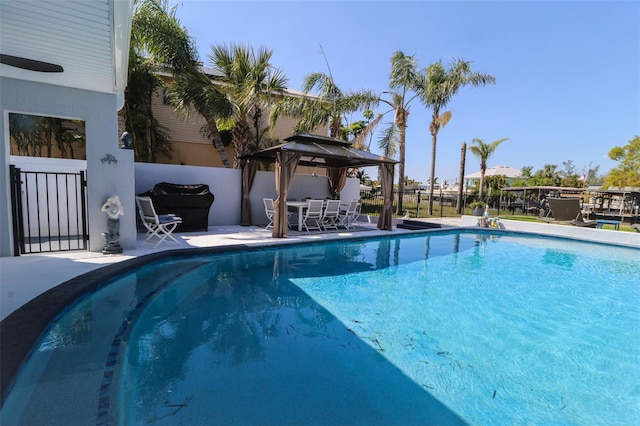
[122, 120]
[463, 156]
[256, 117]
[216, 140]
[434, 137]
[151, 148]
[241, 137]
[402, 133]
[334, 131]
[483, 170]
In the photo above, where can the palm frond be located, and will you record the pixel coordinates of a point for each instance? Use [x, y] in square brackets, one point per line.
[444, 118]
[484, 150]
[358, 142]
[404, 72]
[355, 101]
[388, 140]
[309, 112]
[197, 91]
[157, 32]
[323, 83]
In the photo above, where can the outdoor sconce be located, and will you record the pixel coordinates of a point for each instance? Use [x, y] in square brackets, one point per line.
[126, 141]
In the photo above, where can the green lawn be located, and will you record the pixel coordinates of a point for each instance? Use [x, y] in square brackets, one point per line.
[623, 227]
[450, 211]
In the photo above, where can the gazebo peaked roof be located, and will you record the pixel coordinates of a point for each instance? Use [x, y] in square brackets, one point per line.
[322, 151]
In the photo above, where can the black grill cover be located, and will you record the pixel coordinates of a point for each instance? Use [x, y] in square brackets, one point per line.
[190, 202]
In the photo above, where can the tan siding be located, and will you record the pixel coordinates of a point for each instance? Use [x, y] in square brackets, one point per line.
[181, 129]
[308, 170]
[195, 154]
[285, 125]
[283, 128]
[191, 148]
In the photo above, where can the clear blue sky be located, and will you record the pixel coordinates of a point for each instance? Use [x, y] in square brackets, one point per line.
[567, 72]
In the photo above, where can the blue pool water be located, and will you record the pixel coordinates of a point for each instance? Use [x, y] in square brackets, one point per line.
[439, 328]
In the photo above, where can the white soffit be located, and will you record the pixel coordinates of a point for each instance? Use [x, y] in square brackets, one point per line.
[76, 35]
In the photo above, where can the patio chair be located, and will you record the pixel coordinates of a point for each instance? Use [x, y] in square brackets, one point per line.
[350, 216]
[356, 215]
[331, 215]
[313, 215]
[270, 211]
[160, 226]
[568, 210]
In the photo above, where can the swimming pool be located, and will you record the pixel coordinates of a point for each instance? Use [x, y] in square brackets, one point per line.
[445, 328]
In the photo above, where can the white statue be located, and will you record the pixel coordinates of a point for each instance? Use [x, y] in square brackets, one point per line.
[113, 208]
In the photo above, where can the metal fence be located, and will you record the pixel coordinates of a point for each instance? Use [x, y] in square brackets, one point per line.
[49, 211]
[414, 203]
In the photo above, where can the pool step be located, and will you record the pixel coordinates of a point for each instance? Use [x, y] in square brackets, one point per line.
[415, 225]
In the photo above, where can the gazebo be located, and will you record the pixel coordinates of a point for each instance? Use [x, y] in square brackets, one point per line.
[335, 155]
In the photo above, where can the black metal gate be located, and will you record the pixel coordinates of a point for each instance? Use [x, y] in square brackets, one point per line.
[49, 211]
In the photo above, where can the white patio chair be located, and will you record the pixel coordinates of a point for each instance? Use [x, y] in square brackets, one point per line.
[270, 211]
[313, 215]
[356, 215]
[160, 226]
[350, 216]
[331, 215]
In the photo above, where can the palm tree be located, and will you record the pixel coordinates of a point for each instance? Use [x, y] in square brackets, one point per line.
[356, 129]
[483, 151]
[438, 86]
[158, 43]
[149, 137]
[547, 176]
[403, 80]
[251, 85]
[328, 107]
[195, 91]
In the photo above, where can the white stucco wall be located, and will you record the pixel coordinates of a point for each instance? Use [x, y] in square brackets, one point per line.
[99, 112]
[226, 186]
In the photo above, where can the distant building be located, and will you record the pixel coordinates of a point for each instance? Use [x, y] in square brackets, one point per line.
[473, 180]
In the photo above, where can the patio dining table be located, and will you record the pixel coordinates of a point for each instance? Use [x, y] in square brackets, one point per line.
[301, 206]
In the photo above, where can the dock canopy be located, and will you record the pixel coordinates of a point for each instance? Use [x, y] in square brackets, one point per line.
[335, 155]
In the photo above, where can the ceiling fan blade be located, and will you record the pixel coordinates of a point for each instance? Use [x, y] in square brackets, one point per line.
[29, 64]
